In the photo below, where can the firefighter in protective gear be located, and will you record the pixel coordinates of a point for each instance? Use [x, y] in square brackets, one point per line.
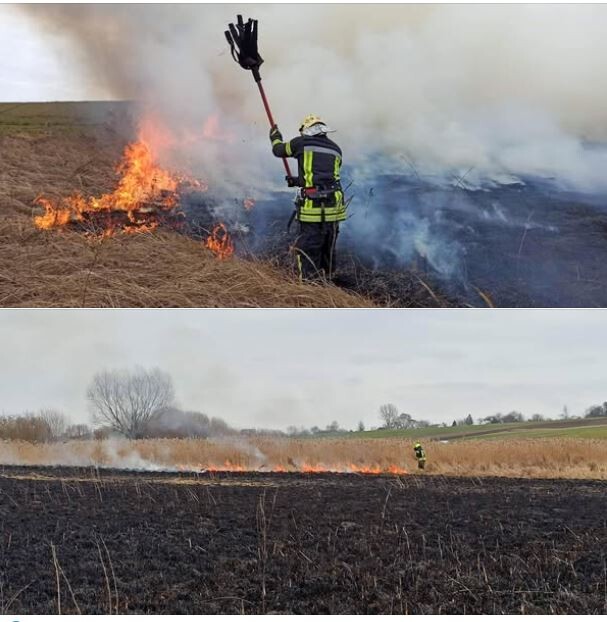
[320, 203]
[420, 455]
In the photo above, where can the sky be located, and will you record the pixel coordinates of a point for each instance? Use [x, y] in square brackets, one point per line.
[277, 368]
[38, 68]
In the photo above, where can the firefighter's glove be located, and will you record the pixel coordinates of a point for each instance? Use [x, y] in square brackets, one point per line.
[275, 135]
[291, 181]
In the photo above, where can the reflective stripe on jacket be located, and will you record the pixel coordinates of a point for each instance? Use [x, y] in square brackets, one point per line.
[319, 166]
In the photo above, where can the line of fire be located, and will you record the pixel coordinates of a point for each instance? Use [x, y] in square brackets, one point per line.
[292, 467]
[146, 197]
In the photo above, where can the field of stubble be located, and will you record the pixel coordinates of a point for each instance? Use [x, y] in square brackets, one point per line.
[102, 541]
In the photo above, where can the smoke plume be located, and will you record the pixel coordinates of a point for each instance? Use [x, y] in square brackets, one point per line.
[506, 89]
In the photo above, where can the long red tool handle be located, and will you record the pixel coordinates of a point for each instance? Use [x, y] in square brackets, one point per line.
[266, 105]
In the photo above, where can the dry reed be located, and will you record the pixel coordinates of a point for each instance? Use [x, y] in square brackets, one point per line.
[542, 458]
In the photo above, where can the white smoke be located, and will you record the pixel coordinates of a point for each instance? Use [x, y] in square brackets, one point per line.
[109, 453]
[505, 89]
[254, 456]
[121, 453]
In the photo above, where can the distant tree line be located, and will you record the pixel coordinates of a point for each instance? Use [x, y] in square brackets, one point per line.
[596, 411]
[332, 428]
[141, 404]
[135, 405]
[392, 420]
[511, 417]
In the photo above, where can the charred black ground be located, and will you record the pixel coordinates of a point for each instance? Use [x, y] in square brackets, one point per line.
[232, 543]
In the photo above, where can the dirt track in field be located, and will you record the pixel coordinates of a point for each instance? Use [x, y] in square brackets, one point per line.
[232, 543]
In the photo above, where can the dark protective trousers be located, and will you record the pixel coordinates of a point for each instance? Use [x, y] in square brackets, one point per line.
[315, 249]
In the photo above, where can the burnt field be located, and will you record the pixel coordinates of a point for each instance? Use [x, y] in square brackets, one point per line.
[525, 244]
[110, 541]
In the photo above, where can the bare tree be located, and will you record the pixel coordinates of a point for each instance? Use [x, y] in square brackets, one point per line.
[56, 422]
[513, 417]
[596, 411]
[24, 427]
[78, 431]
[497, 418]
[292, 430]
[388, 413]
[404, 421]
[333, 427]
[127, 401]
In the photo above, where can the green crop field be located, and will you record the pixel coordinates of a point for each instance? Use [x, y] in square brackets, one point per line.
[574, 428]
[58, 116]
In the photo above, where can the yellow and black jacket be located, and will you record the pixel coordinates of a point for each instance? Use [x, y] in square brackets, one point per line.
[319, 165]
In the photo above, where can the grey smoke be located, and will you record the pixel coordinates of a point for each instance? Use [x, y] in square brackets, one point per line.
[506, 89]
[110, 453]
[175, 423]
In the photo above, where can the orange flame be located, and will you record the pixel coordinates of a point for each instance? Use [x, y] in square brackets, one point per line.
[144, 191]
[219, 242]
[228, 467]
[248, 204]
[53, 216]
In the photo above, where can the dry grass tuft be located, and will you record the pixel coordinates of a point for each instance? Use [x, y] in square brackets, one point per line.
[537, 458]
[65, 269]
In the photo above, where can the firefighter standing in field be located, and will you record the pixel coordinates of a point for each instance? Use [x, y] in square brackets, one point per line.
[420, 455]
[320, 203]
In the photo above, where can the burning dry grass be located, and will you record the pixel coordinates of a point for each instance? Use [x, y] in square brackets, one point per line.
[165, 269]
[538, 458]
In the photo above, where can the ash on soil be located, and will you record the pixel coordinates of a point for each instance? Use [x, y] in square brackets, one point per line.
[527, 244]
[130, 542]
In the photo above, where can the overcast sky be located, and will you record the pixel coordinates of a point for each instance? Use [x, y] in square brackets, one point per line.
[275, 368]
[34, 67]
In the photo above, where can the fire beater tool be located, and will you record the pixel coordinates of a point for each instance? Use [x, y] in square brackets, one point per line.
[242, 38]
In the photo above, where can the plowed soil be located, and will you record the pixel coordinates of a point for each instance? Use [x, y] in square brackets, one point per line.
[109, 541]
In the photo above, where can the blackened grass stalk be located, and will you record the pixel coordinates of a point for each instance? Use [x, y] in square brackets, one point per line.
[107, 579]
[58, 570]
